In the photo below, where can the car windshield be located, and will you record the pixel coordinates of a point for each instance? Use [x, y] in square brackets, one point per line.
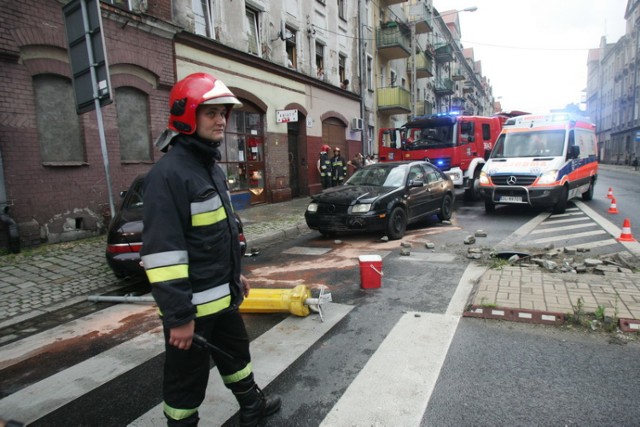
[547, 143]
[434, 136]
[379, 175]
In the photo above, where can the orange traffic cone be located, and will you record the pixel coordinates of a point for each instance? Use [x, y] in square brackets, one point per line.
[613, 209]
[610, 193]
[626, 236]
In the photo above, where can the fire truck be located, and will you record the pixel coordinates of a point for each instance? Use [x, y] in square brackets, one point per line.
[459, 145]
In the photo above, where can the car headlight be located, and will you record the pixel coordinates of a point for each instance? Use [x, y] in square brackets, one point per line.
[548, 177]
[361, 208]
[484, 178]
[313, 207]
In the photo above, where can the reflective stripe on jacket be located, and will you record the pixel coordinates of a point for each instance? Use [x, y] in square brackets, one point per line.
[191, 250]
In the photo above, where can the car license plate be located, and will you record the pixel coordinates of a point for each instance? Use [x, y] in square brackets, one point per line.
[514, 199]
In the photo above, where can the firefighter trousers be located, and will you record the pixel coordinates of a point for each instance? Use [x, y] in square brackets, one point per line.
[186, 372]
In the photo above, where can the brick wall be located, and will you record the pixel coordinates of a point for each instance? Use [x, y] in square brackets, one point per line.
[47, 199]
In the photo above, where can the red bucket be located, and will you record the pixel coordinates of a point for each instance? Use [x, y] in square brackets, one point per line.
[370, 271]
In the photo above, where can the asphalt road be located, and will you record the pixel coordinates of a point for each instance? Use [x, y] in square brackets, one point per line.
[397, 355]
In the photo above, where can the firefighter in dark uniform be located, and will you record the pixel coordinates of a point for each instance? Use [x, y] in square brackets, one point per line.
[324, 166]
[338, 167]
[191, 255]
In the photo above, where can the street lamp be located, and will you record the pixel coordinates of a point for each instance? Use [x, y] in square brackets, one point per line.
[413, 52]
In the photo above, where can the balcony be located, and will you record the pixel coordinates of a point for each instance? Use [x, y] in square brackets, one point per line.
[393, 41]
[458, 76]
[423, 108]
[444, 53]
[390, 2]
[468, 88]
[424, 66]
[393, 100]
[443, 87]
[420, 16]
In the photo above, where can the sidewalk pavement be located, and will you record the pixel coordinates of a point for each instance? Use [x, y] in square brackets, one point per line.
[47, 279]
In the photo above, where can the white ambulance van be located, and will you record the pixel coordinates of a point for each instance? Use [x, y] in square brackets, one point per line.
[541, 160]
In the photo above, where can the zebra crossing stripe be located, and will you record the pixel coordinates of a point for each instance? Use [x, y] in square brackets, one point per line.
[395, 385]
[563, 228]
[42, 398]
[567, 237]
[272, 352]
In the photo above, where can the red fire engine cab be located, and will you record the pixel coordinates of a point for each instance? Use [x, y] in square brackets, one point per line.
[459, 145]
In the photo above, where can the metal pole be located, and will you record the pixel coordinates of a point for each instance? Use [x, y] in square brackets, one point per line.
[413, 68]
[362, 64]
[96, 100]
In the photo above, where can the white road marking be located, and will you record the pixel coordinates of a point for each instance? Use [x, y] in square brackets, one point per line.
[567, 237]
[563, 228]
[272, 352]
[43, 397]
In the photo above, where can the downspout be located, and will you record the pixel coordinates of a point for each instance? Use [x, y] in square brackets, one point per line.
[12, 227]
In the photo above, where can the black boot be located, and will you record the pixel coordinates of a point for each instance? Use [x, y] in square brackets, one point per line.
[254, 406]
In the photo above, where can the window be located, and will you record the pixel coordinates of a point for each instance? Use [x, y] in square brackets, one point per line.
[58, 125]
[342, 9]
[394, 78]
[342, 68]
[253, 34]
[292, 55]
[124, 4]
[243, 152]
[486, 132]
[320, 60]
[369, 72]
[132, 108]
[203, 17]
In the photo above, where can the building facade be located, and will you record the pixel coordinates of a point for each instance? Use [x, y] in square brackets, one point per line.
[308, 73]
[613, 92]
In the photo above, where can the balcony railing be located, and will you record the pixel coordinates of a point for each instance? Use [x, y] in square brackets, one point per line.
[457, 76]
[444, 53]
[443, 87]
[393, 100]
[393, 41]
[424, 66]
[390, 2]
[421, 18]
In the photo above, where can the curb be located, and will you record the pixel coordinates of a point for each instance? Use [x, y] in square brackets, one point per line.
[516, 315]
[535, 317]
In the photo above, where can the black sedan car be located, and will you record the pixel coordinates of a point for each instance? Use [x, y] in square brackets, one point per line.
[383, 197]
[124, 237]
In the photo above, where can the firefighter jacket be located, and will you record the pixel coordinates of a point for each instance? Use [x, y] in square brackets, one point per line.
[325, 164]
[190, 242]
[338, 166]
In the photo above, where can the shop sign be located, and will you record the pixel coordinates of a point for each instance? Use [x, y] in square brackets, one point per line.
[286, 116]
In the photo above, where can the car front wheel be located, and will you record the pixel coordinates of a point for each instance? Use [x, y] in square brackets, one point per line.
[396, 223]
[447, 208]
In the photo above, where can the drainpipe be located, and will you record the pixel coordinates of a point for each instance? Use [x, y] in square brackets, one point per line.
[12, 227]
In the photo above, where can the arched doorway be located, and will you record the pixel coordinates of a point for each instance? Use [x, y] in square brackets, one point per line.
[333, 134]
[298, 162]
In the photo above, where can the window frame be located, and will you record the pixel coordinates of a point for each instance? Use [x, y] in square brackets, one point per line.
[256, 28]
[208, 15]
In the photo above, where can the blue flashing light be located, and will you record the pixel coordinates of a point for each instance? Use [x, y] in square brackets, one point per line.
[439, 162]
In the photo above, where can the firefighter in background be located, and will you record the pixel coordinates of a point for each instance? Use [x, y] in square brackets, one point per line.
[191, 255]
[338, 168]
[324, 166]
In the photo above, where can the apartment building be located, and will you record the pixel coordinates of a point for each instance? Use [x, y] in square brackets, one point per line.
[307, 73]
[613, 92]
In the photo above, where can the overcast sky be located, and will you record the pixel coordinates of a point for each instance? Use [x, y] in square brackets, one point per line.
[534, 52]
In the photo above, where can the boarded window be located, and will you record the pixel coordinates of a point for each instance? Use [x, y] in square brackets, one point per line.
[58, 124]
[133, 124]
[253, 35]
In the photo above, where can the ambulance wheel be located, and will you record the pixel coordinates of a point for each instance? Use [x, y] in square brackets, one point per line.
[396, 223]
[489, 206]
[588, 195]
[561, 204]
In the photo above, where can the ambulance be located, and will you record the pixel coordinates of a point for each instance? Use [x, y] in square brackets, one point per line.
[541, 160]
